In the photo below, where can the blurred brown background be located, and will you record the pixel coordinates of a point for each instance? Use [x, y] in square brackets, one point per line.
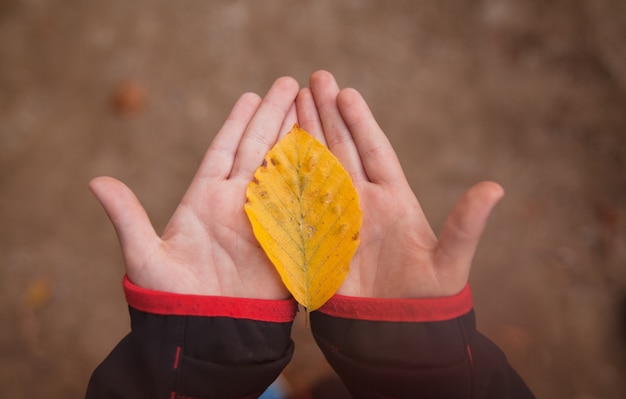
[531, 94]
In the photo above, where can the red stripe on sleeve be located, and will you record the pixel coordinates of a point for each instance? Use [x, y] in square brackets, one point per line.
[177, 356]
[400, 310]
[166, 303]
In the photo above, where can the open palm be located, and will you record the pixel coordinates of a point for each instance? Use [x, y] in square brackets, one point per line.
[399, 255]
[208, 247]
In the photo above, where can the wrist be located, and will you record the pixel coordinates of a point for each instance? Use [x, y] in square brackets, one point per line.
[400, 309]
[166, 303]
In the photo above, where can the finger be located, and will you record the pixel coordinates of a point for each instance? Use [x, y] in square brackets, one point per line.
[290, 119]
[264, 127]
[219, 158]
[308, 118]
[134, 230]
[463, 228]
[379, 160]
[324, 89]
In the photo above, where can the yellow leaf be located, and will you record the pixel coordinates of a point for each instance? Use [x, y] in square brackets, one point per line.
[305, 213]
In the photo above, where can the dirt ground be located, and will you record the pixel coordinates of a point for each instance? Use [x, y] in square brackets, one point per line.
[528, 93]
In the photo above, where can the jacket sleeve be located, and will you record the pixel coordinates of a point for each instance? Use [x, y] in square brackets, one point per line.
[186, 346]
[408, 348]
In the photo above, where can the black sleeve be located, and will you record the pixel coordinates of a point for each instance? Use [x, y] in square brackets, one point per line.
[167, 356]
[439, 359]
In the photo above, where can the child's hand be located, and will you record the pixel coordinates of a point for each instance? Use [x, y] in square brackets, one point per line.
[208, 247]
[399, 255]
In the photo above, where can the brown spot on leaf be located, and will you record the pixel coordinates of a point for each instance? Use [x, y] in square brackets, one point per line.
[355, 236]
[341, 229]
[310, 230]
[264, 163]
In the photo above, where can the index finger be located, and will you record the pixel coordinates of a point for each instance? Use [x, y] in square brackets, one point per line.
[219, 158]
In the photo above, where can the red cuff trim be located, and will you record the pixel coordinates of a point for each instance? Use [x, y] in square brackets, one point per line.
[400, 310]
[167, 303]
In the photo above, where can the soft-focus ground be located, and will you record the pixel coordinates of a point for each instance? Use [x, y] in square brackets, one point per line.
[530, 94]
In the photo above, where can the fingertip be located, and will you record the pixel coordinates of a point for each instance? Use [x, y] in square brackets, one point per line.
[321, 74]
[464, 227]
[129, 218]
[263, 128]
[486, 192]
[352, 105]
[287, 83]
[249, 97]
[95, 182]
[112, 194]
[98, 184]
[476, 205]
[494, 187]
[348, 96]
[470, 214]
[304, 93]
[283, 87]
[322, 78]
[308, 117]
[245, 106]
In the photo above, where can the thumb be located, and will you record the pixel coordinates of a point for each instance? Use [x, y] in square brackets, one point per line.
[462, 230]
[132, 225]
